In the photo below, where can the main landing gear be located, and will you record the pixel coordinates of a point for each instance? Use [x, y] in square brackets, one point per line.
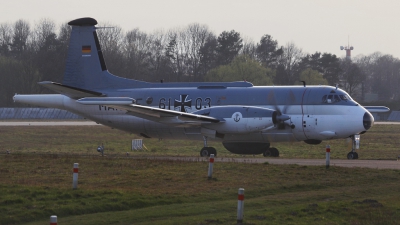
[207, 151]
[271, 152]
[355, 139]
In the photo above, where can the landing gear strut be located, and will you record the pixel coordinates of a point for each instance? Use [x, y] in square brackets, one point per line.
[271, 152]
[355, 139]
[207, 151]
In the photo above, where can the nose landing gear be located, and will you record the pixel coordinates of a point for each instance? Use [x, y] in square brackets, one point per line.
[355, 145]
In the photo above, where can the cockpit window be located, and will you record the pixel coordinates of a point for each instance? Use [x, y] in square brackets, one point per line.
[333, 98]
[344, 97]
[336, 98]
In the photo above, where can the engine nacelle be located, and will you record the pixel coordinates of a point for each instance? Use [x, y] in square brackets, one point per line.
[246, 148]
[312, 141]
[238, 119]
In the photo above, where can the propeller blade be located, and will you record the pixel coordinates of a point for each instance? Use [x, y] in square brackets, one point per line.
[279, 117]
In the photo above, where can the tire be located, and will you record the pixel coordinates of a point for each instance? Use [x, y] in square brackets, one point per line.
[204, 152]
[275, 152]
[350, 156]
[212, 150]
[267, 153]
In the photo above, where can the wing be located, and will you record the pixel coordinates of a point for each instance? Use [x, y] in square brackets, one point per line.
[150, 113]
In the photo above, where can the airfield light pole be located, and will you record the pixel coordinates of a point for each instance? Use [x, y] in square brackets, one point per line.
[328, 156]
[210, 166]
[348, 49]
[53, 220]
[75, 176]
[240, 206]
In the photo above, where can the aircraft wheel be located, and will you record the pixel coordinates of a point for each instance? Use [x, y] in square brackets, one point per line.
[352, 155]
[204, 152]
[267, 153]
[207, 151]
[275, 152]
[212, 150]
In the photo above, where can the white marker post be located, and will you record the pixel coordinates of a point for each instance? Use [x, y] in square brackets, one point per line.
[210, 166]
[53, 220]
[240, 206]
[75, 176]
[328, 156]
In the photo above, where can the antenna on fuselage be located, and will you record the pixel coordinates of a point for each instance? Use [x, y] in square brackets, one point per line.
[337, 86]
[304, 83]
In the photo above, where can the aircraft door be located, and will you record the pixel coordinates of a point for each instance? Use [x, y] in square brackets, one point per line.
[309, 124]
[309, 121]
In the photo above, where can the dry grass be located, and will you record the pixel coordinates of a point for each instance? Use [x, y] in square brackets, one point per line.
[133, 190]
[42, 185]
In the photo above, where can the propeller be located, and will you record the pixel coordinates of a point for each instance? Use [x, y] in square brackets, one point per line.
[279, 116]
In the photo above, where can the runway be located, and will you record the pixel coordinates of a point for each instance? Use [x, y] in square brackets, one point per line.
[374, 164]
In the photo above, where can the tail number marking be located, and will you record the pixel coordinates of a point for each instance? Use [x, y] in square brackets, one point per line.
[184, 103]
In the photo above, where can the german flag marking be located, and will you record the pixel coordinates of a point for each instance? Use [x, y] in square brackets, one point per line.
[86, 49]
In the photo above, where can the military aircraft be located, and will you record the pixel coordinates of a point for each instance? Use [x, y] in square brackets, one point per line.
[246, 118]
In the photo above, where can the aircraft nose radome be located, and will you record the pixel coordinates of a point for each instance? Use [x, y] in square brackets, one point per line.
[368, 120]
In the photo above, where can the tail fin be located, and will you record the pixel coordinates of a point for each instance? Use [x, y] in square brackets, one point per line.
[85, 66]
[86, 70]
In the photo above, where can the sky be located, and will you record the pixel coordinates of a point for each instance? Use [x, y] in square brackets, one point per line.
[312, 25]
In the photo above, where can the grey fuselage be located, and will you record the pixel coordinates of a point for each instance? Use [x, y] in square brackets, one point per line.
[313, 115]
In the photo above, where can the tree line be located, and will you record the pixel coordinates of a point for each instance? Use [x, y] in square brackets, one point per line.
[188, 54]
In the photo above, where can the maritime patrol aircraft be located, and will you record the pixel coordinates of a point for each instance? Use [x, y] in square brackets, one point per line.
[245, 118]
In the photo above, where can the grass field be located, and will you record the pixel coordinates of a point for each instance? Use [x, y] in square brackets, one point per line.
[121, 190]
[380, 142]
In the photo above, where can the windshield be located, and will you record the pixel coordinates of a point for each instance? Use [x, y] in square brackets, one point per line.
[333, 98]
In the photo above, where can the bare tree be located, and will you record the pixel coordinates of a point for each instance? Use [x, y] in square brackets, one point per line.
[110, 37]
[44, 29]
[5, 38]
[20, 37]
[196, 38]
[136, 50]
[289, 61]
[158, 60]
[351, 77]
[386, 78]
[249, 48]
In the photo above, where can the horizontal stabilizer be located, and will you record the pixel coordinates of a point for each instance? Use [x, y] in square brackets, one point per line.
[377, 109]
[72, 92]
